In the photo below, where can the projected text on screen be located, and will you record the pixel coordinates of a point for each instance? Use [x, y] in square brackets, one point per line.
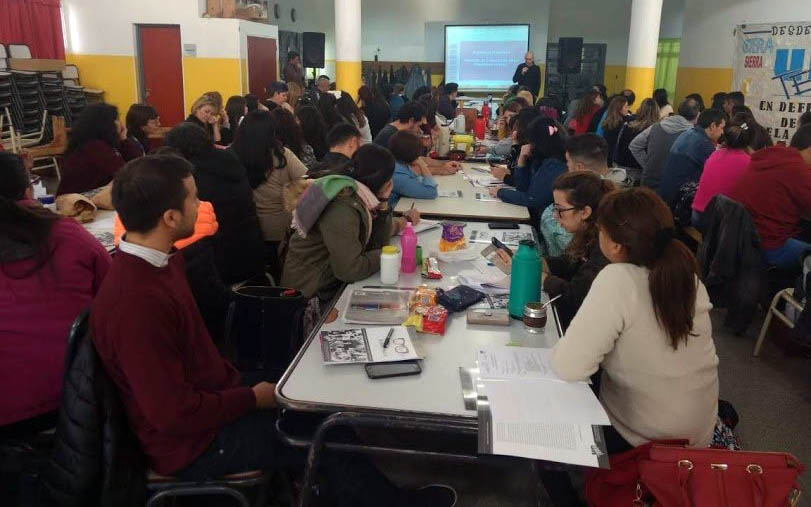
[484, 57]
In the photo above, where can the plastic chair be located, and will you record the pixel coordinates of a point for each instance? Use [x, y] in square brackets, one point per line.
[161, 487]
[21, 51]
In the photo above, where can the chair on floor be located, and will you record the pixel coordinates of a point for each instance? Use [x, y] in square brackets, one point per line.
[21, 51]
[786, 295]
[100, 453]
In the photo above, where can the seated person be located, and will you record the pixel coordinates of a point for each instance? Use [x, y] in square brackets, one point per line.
[447, 101]
[518, 128]
[270, 166]
[411, 117]
[343, 141]
[412, 178]
[205, 113]
[221, 179]
[689, 152]
[50, 269]
[313, 132]
[277, 96]
[142, 121]
[505, 143]
[646, 323]
[397, 98]
[776, 189]
[350, 113]
[539, 163]
[341, 223]
[742, 137]
[98, 146]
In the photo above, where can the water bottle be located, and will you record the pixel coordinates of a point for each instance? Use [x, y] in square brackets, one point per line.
[525, 278]
[408, 245]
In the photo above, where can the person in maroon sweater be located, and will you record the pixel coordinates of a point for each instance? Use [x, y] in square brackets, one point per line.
[776, 189]
[98, 147]
[186, 404]
[50, 269]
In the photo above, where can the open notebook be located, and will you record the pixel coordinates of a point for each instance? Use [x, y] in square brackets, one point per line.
[367, 345]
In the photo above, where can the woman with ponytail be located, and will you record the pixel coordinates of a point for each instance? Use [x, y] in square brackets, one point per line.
[646, 323]
[50, 269]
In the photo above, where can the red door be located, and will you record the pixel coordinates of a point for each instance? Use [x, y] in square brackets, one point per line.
[161, 66]
[261, 65]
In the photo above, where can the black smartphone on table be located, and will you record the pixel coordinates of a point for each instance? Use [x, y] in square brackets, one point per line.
[502, 225]
[392, 369]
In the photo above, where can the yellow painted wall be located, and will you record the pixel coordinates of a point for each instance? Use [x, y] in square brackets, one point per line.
[348, 77]
[614, 78]
[201, 75]
[706, 81]
[111, 73]
[243, 65]
[640, 80]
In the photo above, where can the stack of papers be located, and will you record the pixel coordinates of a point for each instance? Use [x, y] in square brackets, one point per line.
[509, 238]
[452, 194]
[424, 225]
[526, 410]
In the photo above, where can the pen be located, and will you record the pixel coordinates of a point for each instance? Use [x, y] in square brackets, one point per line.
[413, 203]
[388, 338]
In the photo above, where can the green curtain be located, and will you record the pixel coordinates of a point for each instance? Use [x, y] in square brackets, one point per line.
[667, 65]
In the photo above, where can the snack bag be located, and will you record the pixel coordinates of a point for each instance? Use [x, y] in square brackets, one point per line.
[453, 237]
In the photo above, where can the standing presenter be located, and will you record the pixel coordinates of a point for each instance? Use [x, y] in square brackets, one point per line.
[528, 74]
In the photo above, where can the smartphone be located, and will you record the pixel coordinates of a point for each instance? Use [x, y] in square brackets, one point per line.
[392, 369]
[502, 225]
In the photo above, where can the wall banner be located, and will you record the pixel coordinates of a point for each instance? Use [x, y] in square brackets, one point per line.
[773, 69]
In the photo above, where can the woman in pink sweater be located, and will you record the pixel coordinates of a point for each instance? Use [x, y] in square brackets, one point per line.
[742, 137]
[50, 269]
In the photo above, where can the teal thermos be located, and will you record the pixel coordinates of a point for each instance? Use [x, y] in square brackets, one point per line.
[525, 278]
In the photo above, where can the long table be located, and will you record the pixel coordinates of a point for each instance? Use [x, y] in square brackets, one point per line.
[466, 207]
[429, 402]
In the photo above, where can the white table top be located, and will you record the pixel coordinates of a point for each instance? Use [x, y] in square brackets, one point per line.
[310, 385]
[466, 207]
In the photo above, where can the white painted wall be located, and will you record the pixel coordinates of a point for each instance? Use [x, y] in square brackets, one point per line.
[105, 27]
[708, 39]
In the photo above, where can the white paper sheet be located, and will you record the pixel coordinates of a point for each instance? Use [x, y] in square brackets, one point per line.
[485, 197]
[424, 225]
[515, 363]
[450, 194]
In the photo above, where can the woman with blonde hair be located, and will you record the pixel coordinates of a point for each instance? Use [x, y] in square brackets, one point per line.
[646, 115]
[294, 94]
[205, 112]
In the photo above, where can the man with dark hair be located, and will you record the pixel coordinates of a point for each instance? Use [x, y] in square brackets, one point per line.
[277, 96]
[652, 146]
[293, 72]
[689, 152]
[776, 189]
[734, 99]
[322, 84]
[447, 101]
[343, 140]
[528, 74]
[589, 152]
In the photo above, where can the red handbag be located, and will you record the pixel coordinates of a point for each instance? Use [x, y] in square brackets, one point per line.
[689, 477]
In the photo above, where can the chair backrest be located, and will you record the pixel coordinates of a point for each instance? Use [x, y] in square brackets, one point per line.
[3, 51]
[19, 51]
[71, 72]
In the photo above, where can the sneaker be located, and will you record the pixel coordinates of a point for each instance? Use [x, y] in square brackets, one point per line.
[433, 495]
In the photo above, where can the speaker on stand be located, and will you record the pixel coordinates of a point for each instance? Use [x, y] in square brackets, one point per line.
[570, 61]
[312, 51]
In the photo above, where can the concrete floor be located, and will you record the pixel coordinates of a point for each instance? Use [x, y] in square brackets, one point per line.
[772, 394]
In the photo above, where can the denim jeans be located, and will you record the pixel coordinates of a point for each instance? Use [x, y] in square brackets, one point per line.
[788, 255]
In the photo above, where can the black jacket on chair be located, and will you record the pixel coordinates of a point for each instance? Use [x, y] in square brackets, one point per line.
[238, 245]
[731, 261]
[96, 459]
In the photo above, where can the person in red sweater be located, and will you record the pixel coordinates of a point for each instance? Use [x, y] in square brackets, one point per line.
[98, 147]
[187, 405]
[50, 269]
[776, 189]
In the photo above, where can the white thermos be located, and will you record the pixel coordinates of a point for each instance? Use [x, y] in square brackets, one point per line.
[389, 265]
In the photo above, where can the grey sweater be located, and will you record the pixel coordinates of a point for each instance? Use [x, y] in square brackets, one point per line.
[652, 146]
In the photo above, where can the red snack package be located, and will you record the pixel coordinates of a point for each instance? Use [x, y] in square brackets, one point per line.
[434, 319]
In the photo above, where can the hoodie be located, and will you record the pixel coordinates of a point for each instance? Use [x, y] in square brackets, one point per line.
[776, 189]
[238, 245]
[685, 162]
[36, 312]
[652, 147]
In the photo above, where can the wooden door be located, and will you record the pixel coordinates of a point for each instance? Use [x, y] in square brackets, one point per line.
[161, 70]
[261, 65]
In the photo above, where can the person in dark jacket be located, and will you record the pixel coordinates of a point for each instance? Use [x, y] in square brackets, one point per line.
[616, 116]
[293, 73]
[142, 120]
[447, 101]
[689, 152]
[540, 162]
[375, 107]
[98, 147]
[222, 180]
[205, 113]
[646, 116]
[528, 74]
[577, 197]
[343, 140]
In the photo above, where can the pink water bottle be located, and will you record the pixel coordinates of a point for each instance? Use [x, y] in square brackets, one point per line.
[408, 245]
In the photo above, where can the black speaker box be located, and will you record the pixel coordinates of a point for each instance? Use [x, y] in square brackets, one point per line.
[312, 54]
[570, 55]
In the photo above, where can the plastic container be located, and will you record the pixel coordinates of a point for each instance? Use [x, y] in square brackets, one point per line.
[408, 244]
[480, 127]
[48, 202]
[534, 317]
[525, 278]
[390, 265]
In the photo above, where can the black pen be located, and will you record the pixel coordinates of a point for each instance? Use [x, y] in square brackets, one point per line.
[388, 338]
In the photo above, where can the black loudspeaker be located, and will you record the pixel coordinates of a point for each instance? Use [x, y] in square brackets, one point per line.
[570, 55]
[312, 54]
